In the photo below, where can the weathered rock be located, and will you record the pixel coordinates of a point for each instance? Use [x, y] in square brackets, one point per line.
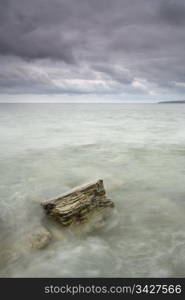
[40, 238]
[79, 205]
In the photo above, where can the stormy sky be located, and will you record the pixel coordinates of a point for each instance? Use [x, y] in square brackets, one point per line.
[92, 50]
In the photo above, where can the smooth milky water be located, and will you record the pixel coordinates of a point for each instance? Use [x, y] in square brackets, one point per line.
[139, 152]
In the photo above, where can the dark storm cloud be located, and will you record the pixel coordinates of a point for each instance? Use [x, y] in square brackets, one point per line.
[92, 46]
[27, 31]
[173, 12]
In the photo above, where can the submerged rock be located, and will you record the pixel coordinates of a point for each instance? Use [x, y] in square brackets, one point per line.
[79, 205]
[40, 238]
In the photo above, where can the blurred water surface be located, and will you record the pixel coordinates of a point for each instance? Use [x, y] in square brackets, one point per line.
[139, 152]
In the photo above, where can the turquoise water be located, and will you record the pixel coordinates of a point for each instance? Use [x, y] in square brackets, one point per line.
[139, 152]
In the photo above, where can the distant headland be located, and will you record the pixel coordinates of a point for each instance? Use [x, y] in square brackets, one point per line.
[172, 102]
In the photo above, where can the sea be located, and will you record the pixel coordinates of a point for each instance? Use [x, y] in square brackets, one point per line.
[139, 152]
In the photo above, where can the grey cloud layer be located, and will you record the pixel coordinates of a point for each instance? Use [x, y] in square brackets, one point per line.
[92, 46]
